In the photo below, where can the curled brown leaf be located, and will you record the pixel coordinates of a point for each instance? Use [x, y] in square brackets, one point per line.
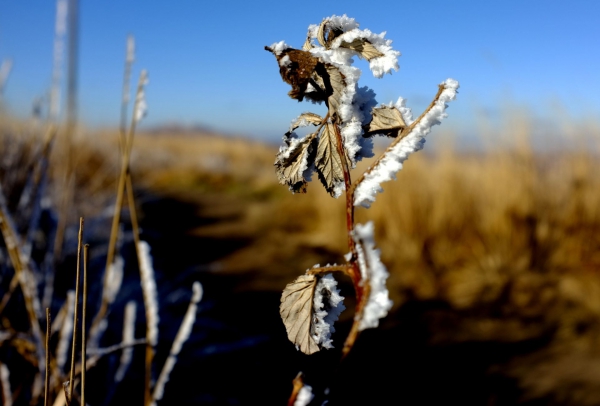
[386, 120]
[363, 47]
[291, 164]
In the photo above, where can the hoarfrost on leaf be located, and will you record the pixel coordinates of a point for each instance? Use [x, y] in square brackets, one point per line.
[296, 312]
[328, 161]
[327, 307]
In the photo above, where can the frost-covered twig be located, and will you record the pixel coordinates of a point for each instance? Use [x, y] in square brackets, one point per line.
[60, 31]
[410, 140]
[322, 72]
[149, 292]
[76, 312]
[65, 332]
[182, 336]
[301, 393]
[373, 273]
[5, 384]
[83, 323]
[5, 69]
[47, 364]
[25, 278]
[125, 158]
[151, 304]
[128, 338]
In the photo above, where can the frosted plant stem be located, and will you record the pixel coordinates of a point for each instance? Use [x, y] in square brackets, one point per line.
[127, 144]
[129, 59]
[182, 336]
[5, 384]
[47, 376]
[151, 305]
[128, 337]
[76, 311]
[326, 269]
[24, 276]
[399, 138]
[14, 282]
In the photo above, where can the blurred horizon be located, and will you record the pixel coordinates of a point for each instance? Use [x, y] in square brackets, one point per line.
[208, 69]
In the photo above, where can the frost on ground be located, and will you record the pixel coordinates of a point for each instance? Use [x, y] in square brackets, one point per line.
[374, 273]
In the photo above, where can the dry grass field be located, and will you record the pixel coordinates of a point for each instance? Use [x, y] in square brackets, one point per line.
[494, 258]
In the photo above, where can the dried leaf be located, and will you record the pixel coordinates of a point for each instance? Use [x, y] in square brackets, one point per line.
[364, 48]
[291, 164]
[387, 121]
[328, 161]
[296, 70]
[296, 312]
[331, 84]
[332, 34]
[321, 32]
[305, 119]
[308, 45]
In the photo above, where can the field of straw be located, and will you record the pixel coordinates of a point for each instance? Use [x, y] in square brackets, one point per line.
[494, 258]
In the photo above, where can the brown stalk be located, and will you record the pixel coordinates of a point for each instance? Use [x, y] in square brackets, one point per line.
[125, 158]
[14, 282]
[76, 310]
[23, 275]
[298, 384]
[325, 269]
[47, 376]
[83, 321]
[72, 78]
[147, 388]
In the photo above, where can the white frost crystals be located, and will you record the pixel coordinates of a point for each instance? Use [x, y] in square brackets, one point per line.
[141, 108]
[394, 157]
[327, 307]
[149, 291]
[309, 307]
[374, 272]
[323, 71]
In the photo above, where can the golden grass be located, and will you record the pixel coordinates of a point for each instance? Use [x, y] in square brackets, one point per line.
[508, 238]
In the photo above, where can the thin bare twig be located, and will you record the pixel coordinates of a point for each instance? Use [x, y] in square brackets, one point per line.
[24, 276]
[298, 384]
[47, 377]
[325, 269]
[76, 312]
[119, 203]
[83, 321]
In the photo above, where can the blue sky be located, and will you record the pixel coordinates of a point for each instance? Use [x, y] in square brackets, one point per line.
[207, 64]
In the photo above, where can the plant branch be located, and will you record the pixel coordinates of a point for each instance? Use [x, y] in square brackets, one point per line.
[83, 322]
[76, 311]
[47, 346]
[399, 138]
[326, 269]
[125, 158]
